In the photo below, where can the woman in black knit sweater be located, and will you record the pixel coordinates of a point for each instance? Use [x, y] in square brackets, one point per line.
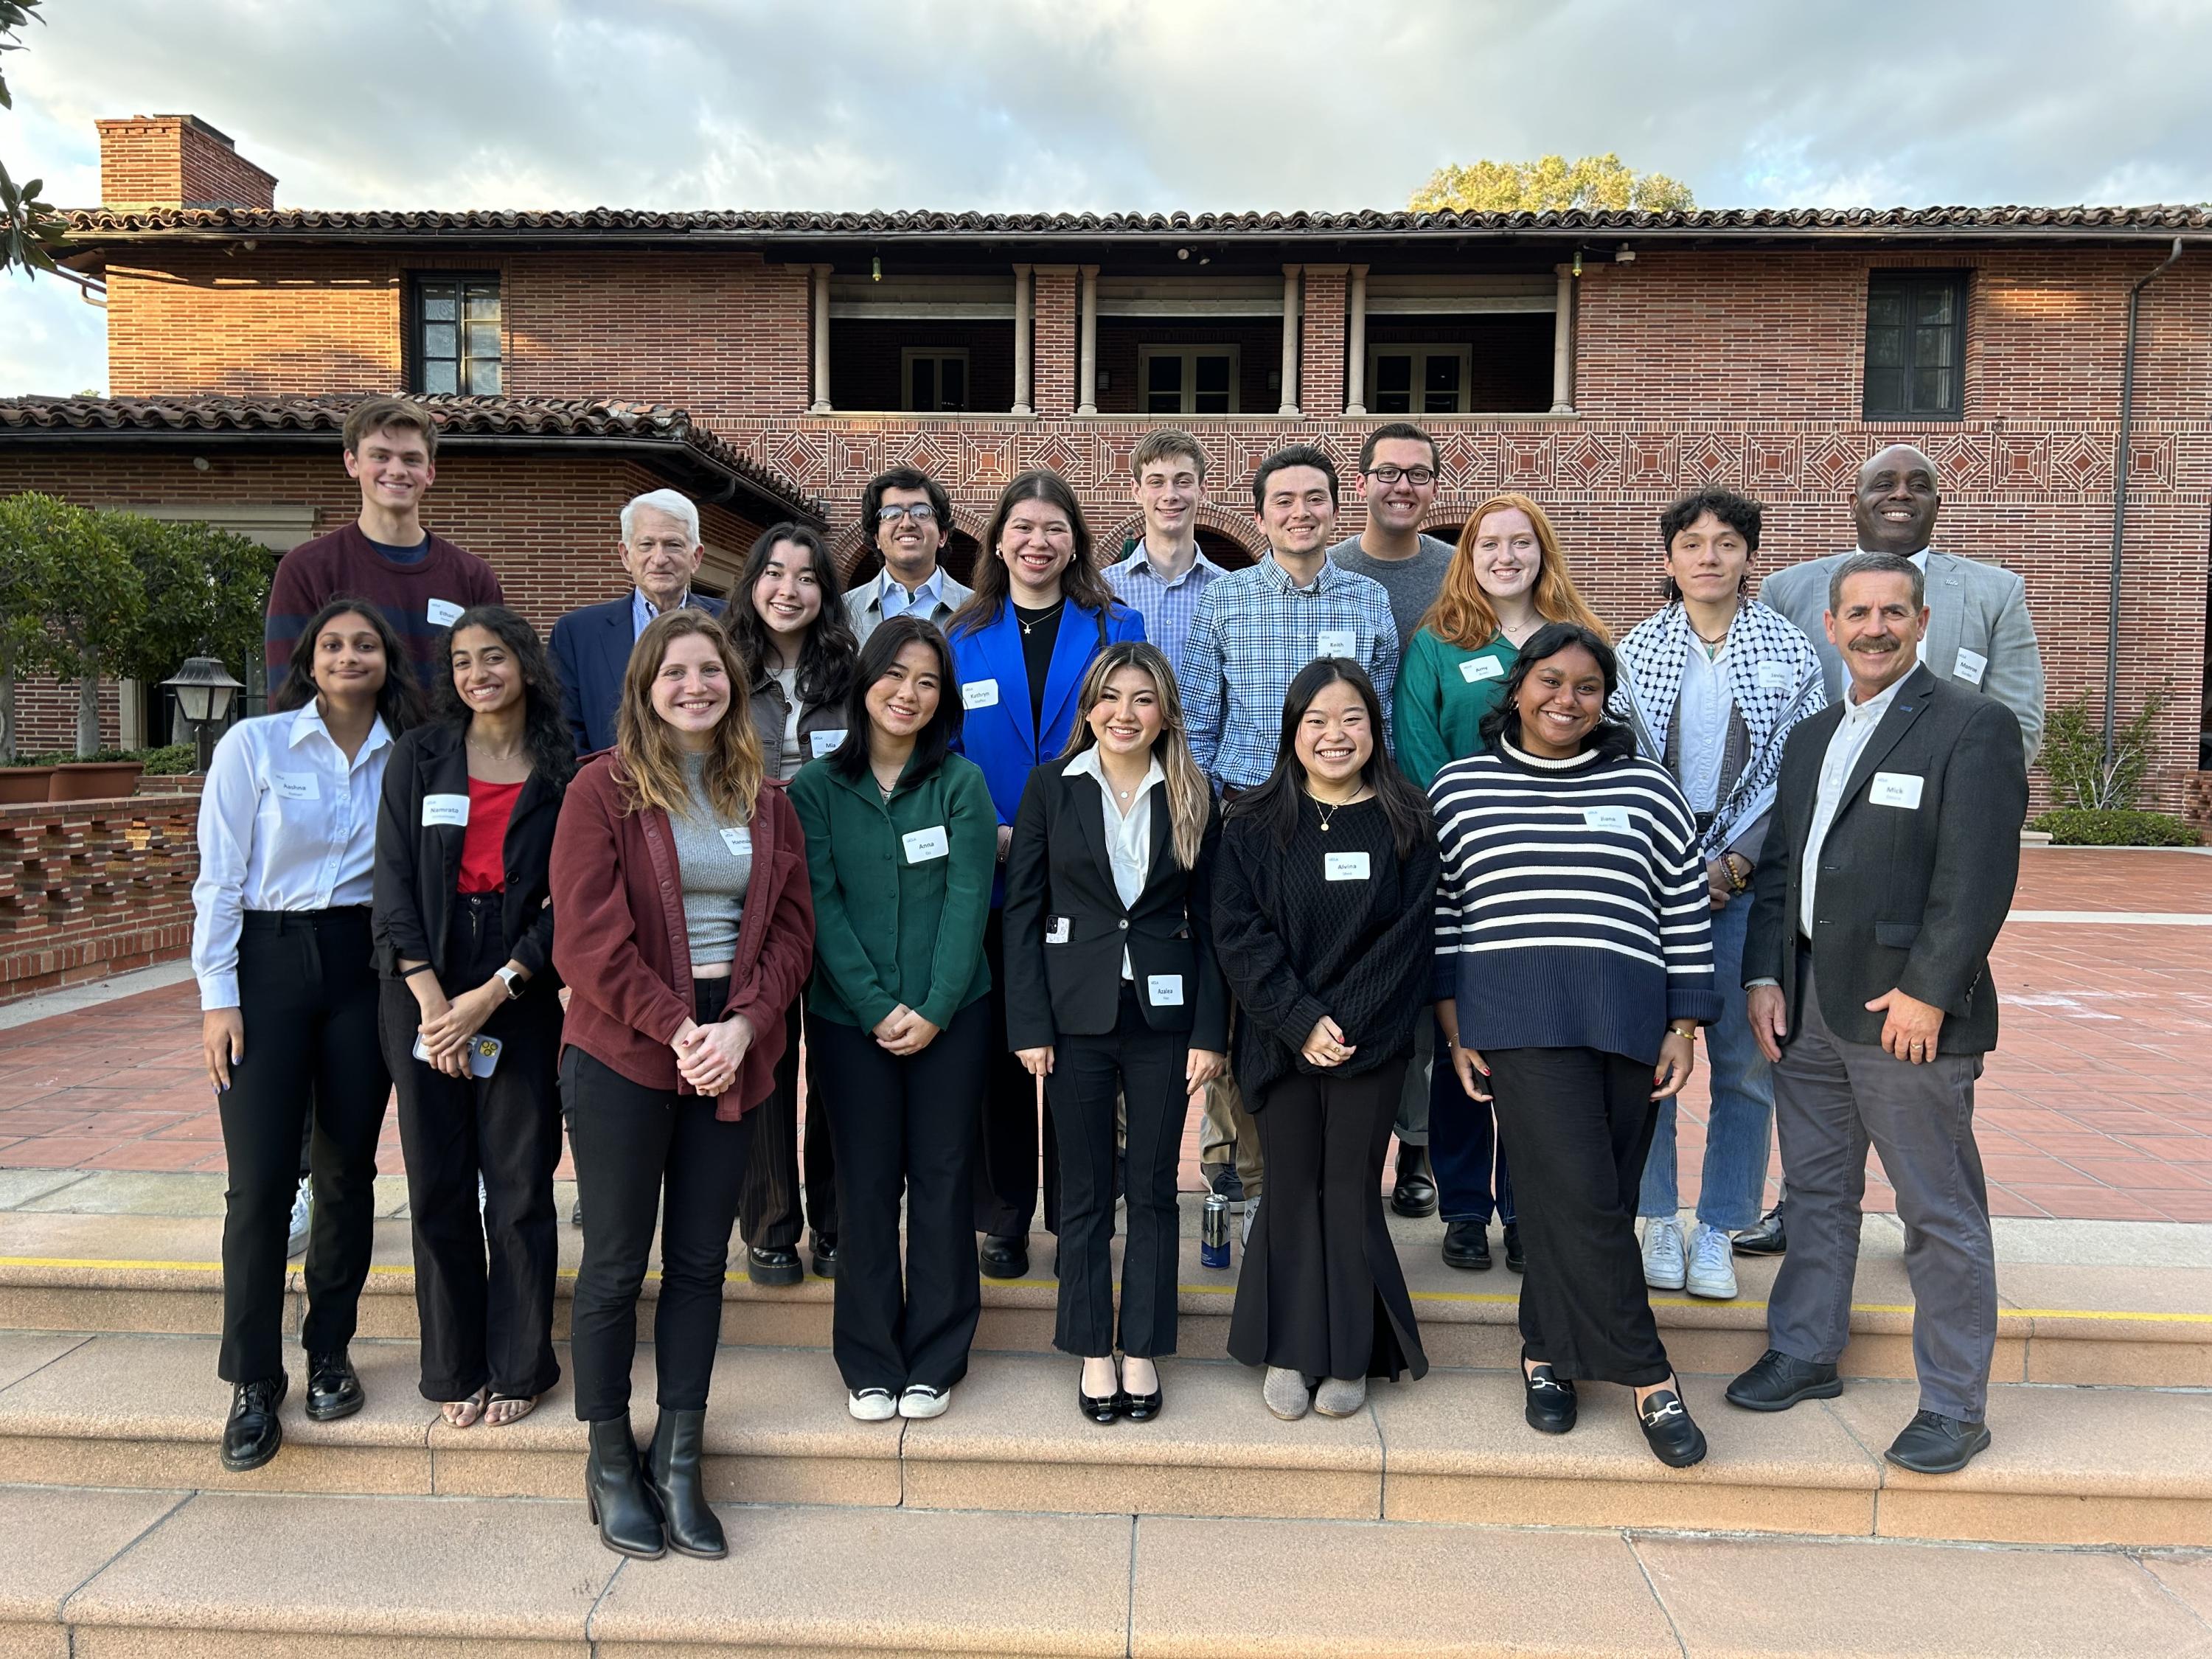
[1322, 901]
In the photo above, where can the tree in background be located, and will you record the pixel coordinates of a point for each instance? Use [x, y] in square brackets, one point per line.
[90, 600]
[30, 543]
[30, 229]
[1552, 184]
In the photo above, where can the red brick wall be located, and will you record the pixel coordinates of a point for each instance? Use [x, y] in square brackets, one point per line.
[174, 160]
[93, 888]
[1321, 346]
[283, 320]
[1052, 340]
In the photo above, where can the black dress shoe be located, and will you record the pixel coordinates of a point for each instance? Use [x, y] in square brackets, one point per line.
[1776, 1381]
[1415, 1193]
[1515, 1261]
[1675, 1440]
[253, 1433]
[1004, 1257]
[1552, 1406]
[674, 1467]
[825, 1252]
[1769, 1237]
[774, 1264]
[1103, 1409]
[1933, 1443]
[333, 1387]
[1466, 1244]
[620, 1502]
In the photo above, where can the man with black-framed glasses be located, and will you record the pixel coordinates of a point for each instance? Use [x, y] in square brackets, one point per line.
[908, 515]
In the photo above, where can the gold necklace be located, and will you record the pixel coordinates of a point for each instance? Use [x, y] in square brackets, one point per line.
[1327, 810]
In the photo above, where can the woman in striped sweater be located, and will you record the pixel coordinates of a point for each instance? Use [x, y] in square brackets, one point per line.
[1574, 964]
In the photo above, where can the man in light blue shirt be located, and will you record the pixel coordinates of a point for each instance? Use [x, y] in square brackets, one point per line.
[1162, 580]
[909, 516]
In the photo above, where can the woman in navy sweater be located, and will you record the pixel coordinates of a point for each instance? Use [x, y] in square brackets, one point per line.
[1573, 966]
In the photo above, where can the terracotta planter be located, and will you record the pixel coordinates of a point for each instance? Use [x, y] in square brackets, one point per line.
[18, 784]
[94, 780]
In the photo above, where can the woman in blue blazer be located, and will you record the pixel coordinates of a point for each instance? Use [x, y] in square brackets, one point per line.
[1021, 646]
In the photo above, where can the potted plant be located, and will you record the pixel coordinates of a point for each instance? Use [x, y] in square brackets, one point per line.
[108, 775]
[20, 781]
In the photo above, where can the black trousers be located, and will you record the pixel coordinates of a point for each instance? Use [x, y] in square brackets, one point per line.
[905, 1123]
[640, 1150]
[1089, 1073]
[306, 993]
[768, 1215]
[1007, 1146]
[1321, 1290]
[483, 1280]
[1579, 1124]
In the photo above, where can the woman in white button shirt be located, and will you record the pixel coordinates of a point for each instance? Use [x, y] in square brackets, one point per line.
[289, 998]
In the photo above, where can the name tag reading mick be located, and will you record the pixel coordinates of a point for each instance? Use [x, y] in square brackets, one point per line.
[1969, 666]
[1895, 789]
[445, 808]
[1336, 643]
[924, 845]
[1606, 817]
[1480, 668]
[1344, 867]
[979, 694]
[1164, 989]
[441, 612]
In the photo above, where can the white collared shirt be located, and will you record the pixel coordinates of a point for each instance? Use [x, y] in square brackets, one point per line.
[895, 601]
[1919, 561]
[1129, 835]
[1845, 745]
[1702, 707]
[285, 824]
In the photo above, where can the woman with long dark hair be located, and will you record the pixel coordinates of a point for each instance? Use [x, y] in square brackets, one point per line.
[1322, 903]
[899, 836]
[1113, 991]
[798, 651]
[686, 928]
[1021, 646]
[1574, 964]
[281, 947]
[471, 1012]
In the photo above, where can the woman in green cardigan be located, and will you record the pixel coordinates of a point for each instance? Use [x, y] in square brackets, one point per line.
[901, 843]
[1506, 581]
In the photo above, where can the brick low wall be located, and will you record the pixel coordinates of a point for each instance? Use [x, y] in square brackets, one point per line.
[2196, 803]
[93, 888]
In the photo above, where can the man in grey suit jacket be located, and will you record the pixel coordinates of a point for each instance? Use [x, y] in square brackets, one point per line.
[910, 515]
[1979, 633]
[1888, 870]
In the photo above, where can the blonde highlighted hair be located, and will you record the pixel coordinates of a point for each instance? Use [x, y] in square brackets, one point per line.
[1189, 799]
[651, 773]
[1462, 615]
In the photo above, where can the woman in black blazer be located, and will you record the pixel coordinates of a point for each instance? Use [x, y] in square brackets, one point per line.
[464, 934]
[1112, 987]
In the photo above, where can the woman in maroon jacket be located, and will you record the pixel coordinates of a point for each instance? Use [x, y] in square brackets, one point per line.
[687, 927]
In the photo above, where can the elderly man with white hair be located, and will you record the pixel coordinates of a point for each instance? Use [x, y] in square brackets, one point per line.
[661, 550]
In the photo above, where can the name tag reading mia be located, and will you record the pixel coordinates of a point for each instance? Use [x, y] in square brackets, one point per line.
[825, 743]
[1337, 642]
[297, 785]
[441, 612]
[1895, 789]
[1606, 817]
[1344, 867]
[979, 694]
[445, 808]
[1164, 989]
[924, 845]
[1480, 668]
[1970, 668]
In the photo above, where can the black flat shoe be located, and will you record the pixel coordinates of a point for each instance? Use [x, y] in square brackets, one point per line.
[1675, 1440]
[825, 1252]
[772, 1265]
[1552, 1405]
[1769, 1237]
[1004, 1257]
[1103, 1409]
[1933, 1443]
[251, 1435]
[333, 1387]
[1776, 1381]
[1142, 1407]
[1467, 1245]
[1515, 1261]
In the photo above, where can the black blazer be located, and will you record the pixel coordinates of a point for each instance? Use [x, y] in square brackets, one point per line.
[590, 649]
[418, 865]
[1058, 872]
[1908, 898]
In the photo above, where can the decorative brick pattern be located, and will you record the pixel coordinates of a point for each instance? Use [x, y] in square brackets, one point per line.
[93, 888]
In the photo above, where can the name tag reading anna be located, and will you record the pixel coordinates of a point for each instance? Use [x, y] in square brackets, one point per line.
[296, 786]
[1165, 990]
[445, 808]
[1344, 867]
[924, 845]
[979, 694]
[1481, 668]
[1337, 642]
[825, 743]
[1895, 789]
[1606, 817]
[1969, 666]
[441, 612]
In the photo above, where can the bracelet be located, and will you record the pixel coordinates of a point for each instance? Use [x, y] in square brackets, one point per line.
[419, 967]
[1729, 863]
[1677, 1030]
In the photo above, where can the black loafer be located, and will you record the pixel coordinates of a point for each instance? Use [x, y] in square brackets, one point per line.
[1467, 1245]
[825, 1252]
[1004, 1257]
[252, 1434]
[1675, 1440]
[1777, 1382]
[772, 1265]
[1769, 1237]
[1515, 1261]
[333, 1387]
[1552, 1406]
[1933, 1443]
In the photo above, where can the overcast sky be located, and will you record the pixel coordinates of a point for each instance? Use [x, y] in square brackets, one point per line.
[1103, 105]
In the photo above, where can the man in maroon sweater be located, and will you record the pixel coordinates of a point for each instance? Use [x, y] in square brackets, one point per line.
[420, 581]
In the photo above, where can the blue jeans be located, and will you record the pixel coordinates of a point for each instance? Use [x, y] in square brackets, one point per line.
[1462, 1145]
[1742, 1088]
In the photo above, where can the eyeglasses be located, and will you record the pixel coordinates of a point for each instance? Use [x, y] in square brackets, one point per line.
[1418, 476]
[920, 512]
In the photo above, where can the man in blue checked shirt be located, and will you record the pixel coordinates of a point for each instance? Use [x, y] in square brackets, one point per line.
[1166, 575]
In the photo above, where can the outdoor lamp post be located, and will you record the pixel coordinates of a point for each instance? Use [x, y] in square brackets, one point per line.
[204, 688]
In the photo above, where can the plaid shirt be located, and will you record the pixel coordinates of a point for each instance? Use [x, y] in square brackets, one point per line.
[1167, 607]
[1253, 633]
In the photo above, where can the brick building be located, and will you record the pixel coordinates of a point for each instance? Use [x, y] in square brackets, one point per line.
[1603, 362]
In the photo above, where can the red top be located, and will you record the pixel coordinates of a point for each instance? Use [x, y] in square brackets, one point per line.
[483, 846]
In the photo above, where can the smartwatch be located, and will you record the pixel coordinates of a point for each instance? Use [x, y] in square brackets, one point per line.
[513, 980]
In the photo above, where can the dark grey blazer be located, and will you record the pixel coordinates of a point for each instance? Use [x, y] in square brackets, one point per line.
[1908, 898]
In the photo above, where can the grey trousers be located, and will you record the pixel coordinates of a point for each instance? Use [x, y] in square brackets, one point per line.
[1832, 1097]
[1412, 1124]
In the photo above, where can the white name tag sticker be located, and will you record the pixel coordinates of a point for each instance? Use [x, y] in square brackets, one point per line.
[1970, 668]
[739, 842]
[1481, 668]
[1165, 990]
[1606, 817]
[825, 743]
[1344, 867]
[297, 785]
[1056, 930]
[442, 612]
[979, 694]
[1895, 789]
[1337, 642]
[924, 845]
[445, 808]
[1774, 677]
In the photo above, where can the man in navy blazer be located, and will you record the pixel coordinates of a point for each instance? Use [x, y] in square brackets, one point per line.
[661, 549]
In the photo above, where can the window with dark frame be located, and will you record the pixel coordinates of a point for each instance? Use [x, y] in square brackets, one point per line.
[1915, 346]
[1418, 380]
[1188, 379]
[936, 378]
[456, 343]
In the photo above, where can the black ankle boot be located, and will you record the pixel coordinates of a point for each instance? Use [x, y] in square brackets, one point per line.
[674, 1466]
[620, 1502]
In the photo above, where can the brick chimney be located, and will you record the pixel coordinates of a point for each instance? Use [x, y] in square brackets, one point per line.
[177, 160]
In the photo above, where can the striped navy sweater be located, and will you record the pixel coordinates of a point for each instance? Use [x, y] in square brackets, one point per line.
[1572, 910]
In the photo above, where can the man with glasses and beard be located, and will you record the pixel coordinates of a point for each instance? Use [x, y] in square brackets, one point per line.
[909, 516]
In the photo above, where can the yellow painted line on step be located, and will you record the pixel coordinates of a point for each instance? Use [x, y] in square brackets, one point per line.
[105, 1262]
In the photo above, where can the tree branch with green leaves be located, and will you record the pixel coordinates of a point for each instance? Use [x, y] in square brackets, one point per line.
[30, 229]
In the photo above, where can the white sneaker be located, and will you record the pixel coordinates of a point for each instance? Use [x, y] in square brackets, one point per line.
[303, 1213]
[872, 1405]
[921, 1401]
[1712, 1264]
[1662, 1254]
[1251, 1215]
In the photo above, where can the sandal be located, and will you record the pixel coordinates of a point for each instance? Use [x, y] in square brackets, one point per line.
[523, 1404]
[464, 1413]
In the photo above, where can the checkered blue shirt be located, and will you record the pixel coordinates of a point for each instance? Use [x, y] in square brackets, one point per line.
[1167, 607]
[1253, 633]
